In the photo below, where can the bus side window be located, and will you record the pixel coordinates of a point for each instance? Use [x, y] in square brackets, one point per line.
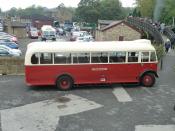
[62, 58]
[84, 58]
[34, 59]
[153, 56]
[144, 56]
[117, 57]
[99, 57]
[104, 57]
[46, 58]
[133, 56]
[75, 58]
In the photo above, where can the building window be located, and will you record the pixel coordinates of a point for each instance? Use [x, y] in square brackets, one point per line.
[121, 38]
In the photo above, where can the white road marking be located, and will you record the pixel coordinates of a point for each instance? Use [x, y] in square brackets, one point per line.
[5, 81]
[155, 128]
[45, 115]
[121, 95]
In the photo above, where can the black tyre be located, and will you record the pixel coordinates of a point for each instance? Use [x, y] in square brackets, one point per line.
[64, 83]
[148, 80]
[53, 39]
[43, 39]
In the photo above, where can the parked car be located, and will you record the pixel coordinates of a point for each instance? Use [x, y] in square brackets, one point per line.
[1, 27]
[79, 39]
[84, 39]
[88, 38]
[48, 33]
[68, 26]
[4, 40]
[81, 36]
[74, 35]
[6, 51]
[33, 33]
[4, 35]
[60, 31]
[12, 45]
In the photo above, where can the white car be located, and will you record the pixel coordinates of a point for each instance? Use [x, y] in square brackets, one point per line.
[7, 51]
[33, 33]
[48, 33]
[88, 38]
[79, 39]
[1, 27]
[84, 39]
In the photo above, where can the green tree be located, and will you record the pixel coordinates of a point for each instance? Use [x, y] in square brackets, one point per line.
[88, 11]
[146, 7]
[111, 10]
[127, 11]
[92, 10]
[12, 12]
[63, 13]
[136, 13]
[168, 12]
[32, 10]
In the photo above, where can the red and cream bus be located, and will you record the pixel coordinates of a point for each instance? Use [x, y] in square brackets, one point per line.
[65, 64]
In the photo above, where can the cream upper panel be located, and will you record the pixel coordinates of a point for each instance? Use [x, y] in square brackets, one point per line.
[138, 45]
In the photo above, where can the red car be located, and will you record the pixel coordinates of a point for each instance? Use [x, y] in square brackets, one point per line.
[4, 35]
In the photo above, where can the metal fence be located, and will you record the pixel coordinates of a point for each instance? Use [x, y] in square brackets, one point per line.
[146, 26]
[170, 34]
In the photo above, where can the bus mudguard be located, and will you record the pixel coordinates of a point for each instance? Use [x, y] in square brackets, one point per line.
[149, 71]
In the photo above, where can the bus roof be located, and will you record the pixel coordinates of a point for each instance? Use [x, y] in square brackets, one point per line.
[137, 45]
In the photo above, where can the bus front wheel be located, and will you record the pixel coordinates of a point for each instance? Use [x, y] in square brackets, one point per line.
[148, 80]
[64, 83]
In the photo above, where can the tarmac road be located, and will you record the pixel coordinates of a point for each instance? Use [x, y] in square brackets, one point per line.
[89, 108]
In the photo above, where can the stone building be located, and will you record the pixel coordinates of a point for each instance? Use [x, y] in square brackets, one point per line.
[118, 31]
[15, 28]
[38, 20]
[104, 23]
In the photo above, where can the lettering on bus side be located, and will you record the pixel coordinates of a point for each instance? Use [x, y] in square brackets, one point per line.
[99, 69]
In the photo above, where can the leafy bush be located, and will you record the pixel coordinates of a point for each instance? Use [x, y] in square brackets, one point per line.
[160, 50]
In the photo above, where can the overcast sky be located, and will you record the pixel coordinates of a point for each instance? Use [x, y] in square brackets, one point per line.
[7, 4]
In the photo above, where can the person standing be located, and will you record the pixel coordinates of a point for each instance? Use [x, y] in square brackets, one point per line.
[167, 45]
[162, 27]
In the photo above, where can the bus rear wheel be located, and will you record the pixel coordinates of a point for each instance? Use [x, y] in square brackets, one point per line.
[64, 83]
[148, 80]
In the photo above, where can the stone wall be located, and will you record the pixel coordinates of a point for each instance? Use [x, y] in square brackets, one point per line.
[11, 65]
[98, 35]
[19, 32]
[112, 34]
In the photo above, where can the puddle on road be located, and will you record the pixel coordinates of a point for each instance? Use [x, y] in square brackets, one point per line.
[62, 99]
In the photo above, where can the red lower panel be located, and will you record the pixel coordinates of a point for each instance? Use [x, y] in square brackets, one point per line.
[86, 74]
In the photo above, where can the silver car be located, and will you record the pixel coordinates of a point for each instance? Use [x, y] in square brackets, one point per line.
[7, 51]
